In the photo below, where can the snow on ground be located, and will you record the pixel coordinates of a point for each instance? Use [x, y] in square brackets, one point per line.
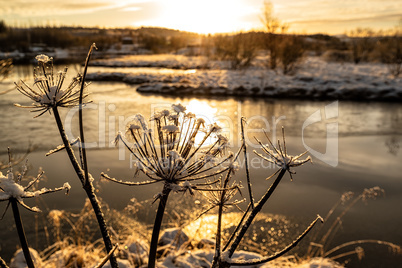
[155, 60]
[176, 248]
[315, 79]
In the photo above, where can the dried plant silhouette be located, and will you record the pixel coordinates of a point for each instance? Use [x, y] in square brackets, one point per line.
[174, 157]
[12, 191]
[324, 235]
[49, 95]
[278, 156]
[176, 149]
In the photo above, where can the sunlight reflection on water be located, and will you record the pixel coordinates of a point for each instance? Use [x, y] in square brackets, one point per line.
[115, 103]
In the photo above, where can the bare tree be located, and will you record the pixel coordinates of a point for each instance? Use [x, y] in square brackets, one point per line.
[363, 42]
[239, 49]
[291, 53]
[272, 27]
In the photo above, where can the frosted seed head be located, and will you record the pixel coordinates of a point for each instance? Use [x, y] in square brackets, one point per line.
[156, 116]
[215, 128]
[42, 58]
[178, 108]
[190, 115]
[134, 127]
[201, 121]
[171, 128]
[165, 112]
[222, 139]
[141, 120]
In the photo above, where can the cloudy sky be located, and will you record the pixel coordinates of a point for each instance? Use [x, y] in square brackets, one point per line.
[205, 16]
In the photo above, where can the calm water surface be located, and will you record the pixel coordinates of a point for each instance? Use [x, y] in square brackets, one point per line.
[369, 141]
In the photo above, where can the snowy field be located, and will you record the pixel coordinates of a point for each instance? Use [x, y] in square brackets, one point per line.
[314, 79]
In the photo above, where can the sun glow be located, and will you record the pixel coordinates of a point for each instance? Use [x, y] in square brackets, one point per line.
[203, 110]
[208, 16]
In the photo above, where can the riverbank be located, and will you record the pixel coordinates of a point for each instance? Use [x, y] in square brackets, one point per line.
[314, 79]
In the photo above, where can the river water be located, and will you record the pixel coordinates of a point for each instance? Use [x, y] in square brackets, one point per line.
[354, 145]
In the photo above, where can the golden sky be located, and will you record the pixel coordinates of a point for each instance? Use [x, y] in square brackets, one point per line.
[205, 16]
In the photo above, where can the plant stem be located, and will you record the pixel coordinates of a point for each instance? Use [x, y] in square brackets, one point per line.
[255, 211]
[250, 192]
[157, 226]
[232, 236]
[216, 260]
[80, 115]
[276, 254]
[218, 244]
[78, 170]
[89, 189]
[3, 264]
[21, 233]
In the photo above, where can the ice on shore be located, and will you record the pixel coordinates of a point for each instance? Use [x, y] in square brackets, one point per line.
[315, 79]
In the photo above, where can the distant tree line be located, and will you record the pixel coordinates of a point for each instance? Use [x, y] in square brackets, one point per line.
[239, 49]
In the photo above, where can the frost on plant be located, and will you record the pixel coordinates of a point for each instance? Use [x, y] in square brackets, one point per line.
[278, 155]
[10, 187]
[168, 151]
[174, 151]
[47, 91]
[322, 239]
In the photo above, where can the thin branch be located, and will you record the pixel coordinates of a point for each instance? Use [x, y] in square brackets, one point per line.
[242, 121]
[3, 263]
[394, 247]
[81, 124]
[237, 227]
[128, 183]
[218, 239]
[280, 253]
[254, 212]
[107, 257]
[14, 162]
[62, 147]
[33, 181]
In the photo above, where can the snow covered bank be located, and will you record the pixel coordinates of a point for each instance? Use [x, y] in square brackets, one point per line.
[316, 79]
[159, 60]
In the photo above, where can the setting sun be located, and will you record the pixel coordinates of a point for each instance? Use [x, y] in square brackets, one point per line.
[204, 17]
[208, 16]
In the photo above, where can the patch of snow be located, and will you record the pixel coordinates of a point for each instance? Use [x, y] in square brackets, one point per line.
[136, 251]
[18, 260]
[10, 187]
[203, 258]
[175, 237]
[315, 79]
